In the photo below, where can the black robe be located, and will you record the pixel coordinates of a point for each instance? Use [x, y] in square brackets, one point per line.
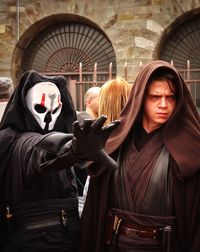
[29, 185]
[181, 137]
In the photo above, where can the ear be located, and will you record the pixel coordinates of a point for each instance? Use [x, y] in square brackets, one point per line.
[88, 101]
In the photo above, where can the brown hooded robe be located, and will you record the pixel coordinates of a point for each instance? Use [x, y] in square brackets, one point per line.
[181, 136]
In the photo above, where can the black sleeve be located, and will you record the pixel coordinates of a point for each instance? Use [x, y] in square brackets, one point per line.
[40, 153]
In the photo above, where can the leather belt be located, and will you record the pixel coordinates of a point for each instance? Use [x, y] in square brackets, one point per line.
[46, 220]
[44, 223]
[116, 227]
[133, 230]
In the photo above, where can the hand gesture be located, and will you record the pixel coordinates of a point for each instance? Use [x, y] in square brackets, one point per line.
[89, 140]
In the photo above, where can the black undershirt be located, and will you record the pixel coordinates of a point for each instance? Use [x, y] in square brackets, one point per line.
[141, 137]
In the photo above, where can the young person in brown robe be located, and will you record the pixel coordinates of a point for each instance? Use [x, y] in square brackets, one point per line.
[152, 201]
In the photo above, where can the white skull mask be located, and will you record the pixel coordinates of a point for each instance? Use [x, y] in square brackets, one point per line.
[43, 100]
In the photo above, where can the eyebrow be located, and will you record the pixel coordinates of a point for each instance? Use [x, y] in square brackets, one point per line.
[171, 93]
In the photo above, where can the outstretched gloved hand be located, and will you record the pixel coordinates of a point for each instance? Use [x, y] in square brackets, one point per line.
[89, 141]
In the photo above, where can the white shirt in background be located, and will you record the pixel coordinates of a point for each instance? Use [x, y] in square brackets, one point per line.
[2, 108]
[83, 198]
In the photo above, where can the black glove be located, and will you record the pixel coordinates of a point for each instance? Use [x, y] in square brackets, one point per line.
[90, 138]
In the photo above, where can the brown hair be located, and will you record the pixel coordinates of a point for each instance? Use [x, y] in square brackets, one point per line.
[165, 74]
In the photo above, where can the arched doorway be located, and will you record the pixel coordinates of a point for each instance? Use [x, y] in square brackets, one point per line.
[181, 45]
[61, 47]
[58, 44]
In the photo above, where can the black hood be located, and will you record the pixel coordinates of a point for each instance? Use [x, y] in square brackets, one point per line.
[17, 115]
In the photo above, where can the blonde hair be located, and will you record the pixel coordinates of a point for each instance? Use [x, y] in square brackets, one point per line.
[113, 97]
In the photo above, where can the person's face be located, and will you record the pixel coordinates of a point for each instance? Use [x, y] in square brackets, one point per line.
[159, 104]
[94, 104]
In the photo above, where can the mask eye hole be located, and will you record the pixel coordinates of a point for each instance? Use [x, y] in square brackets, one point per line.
[40, 109]
[55, 110]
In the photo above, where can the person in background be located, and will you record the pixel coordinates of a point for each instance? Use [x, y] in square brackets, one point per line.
[112, 99]
[151, 202]
[91, 101]
[6, 89]
[38, 193]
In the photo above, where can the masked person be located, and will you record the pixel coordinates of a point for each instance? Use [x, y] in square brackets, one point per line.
[38, 189]
[152, 201]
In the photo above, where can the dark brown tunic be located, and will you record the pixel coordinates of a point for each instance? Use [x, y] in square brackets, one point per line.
[146, 198]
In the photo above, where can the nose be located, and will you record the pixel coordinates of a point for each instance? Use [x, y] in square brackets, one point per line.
[47, 120]
[163, 102]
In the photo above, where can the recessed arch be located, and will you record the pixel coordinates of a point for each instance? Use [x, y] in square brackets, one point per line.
[180, 45]
[60, 42]
[181, 41]
[63, 46]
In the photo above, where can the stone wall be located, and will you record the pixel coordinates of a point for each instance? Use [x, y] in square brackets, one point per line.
[135, 27]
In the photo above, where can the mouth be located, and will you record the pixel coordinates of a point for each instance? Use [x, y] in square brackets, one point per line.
[162, 114]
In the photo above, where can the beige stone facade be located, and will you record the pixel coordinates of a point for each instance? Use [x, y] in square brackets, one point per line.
[136, 28]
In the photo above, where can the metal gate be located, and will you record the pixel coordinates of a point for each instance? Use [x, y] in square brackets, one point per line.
[80, 81]
[79, 86]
